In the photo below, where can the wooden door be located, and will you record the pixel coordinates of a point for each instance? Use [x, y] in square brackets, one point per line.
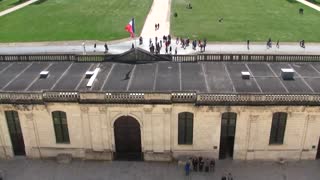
[127, 139]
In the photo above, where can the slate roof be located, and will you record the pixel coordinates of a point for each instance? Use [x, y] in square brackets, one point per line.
[162, 76]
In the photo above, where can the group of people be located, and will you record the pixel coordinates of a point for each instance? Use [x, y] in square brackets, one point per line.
[106, 48]
[199, 164]
[195, 43]
[166, 40]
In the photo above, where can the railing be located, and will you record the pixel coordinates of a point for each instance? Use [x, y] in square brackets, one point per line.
[57, 57]
[174, 58]
[61, 96]
[245, 57]
[12, 97]
[155, 98]
[258, 99]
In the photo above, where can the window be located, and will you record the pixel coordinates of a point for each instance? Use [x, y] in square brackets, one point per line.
[279, 121]
[228, 124]
[185, 128]
[13, 121]
[60, 127]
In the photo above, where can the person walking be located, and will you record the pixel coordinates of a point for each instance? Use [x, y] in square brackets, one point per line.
[269, 43]
[302, 44]
[106, 49]
[176, 51]
[277, 45]
[187, 168]
[223, 177]
[230, 177]
[84, 48]
[201, 163]
[204, 44]
[132, 46]
[212, 165]
[248, 43]
[166, 49]
[195, 164]
[206, 165]
[94, 47]
[170, 49]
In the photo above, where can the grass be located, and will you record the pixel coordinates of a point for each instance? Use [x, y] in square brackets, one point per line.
[57, 20]
[256, 20]
[6, 4]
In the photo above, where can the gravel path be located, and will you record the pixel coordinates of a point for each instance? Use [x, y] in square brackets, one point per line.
[159, 13]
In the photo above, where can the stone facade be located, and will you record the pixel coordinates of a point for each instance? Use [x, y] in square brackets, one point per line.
[91, 131]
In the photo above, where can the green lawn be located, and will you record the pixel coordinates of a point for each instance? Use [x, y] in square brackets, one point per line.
[55, 20]
[256, 20]
[5, 4]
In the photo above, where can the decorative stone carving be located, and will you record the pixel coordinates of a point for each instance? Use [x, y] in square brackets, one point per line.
[103, 109]
[253, 118]
[23, 107]
[167, 110]
[84, 109]
[148, 109]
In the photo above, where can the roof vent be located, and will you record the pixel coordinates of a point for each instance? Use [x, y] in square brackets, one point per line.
[287, 73]
[245, 74]
[89, 74]
[44, 74]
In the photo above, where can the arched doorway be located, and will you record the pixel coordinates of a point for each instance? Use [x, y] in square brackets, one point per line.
[127, 137]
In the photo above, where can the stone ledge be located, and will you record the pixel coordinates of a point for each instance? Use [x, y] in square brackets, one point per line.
[64, 158]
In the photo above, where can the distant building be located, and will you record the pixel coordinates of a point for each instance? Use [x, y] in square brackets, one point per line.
[140, 106]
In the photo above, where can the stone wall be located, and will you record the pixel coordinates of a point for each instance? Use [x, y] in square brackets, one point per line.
[92, 134]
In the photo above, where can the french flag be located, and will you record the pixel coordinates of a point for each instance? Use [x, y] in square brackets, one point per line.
[130, 28]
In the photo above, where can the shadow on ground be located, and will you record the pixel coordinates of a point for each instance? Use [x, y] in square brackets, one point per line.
[39, 2]
[17, 2]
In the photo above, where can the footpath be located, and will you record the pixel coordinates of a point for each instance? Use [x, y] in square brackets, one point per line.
[123, 46]
[21, 169]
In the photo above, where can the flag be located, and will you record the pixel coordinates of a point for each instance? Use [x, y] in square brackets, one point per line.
[130, 27]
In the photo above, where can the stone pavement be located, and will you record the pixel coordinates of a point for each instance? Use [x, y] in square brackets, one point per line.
[10, 10]
[22, 169]
[123, 46]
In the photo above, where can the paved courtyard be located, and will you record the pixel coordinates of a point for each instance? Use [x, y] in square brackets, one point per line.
[22, 169]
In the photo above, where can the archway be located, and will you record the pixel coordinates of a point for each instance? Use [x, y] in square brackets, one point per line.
[127, 137]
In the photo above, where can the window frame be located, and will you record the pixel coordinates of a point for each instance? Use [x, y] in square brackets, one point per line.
[61, 129]
[278, 128]
[185, 121]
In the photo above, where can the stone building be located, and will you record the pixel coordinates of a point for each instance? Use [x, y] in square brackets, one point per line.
[156, 108]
